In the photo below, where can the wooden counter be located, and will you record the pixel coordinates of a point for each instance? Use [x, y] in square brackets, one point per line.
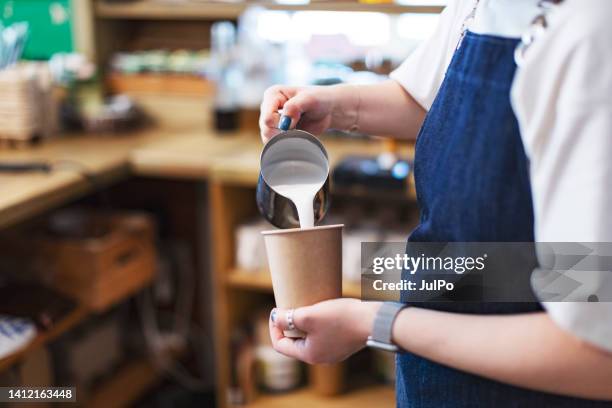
[195, 154]
[232, 158]
[24, 195]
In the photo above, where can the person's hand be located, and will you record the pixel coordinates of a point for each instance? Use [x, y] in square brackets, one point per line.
[310, 108]
[334, 329]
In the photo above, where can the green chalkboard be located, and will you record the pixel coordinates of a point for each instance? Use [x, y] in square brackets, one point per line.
[50, 25]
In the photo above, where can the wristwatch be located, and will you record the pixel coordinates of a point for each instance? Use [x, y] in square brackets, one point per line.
[383, 325]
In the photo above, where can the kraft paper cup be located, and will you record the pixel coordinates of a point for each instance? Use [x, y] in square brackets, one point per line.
[306, 266]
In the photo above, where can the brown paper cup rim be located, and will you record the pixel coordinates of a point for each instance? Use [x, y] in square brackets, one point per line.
[301, 230]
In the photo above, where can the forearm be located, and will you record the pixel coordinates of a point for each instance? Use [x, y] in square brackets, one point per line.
[526, 350]
[384, 109]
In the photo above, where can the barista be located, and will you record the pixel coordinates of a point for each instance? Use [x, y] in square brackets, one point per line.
[502, 155]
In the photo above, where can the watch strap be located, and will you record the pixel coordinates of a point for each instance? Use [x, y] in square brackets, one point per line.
[383, 326]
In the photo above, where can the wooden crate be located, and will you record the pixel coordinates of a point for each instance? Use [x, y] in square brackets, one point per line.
[101, 271]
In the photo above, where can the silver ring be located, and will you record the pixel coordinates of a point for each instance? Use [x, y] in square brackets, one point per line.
[289, 317]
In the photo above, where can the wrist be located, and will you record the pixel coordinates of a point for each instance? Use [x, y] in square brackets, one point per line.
[366, 315]
[345, 109]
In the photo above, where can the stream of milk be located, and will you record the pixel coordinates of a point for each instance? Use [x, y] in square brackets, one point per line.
[299, 181]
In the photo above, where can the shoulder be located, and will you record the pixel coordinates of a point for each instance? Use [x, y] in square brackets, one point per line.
[459, 10]
[566, 76]
[581, 51]
[422, 72]
[583, 25]
[573, 57]
[587, 17]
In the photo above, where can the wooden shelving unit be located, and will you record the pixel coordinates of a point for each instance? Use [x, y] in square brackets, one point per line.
[211, 10]
[44, 337]
[239, 293]
[125, 387]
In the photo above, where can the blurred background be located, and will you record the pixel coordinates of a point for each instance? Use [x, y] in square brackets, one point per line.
[131, 262]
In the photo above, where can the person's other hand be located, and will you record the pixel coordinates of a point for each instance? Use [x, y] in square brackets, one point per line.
[334, 329]
[311, 106]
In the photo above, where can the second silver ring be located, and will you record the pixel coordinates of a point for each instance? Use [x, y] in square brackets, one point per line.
[289, 317]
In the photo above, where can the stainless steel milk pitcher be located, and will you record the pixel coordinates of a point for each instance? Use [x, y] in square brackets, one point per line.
[290, 145]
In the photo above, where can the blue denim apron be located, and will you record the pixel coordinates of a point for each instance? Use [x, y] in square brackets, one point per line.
[472, 185]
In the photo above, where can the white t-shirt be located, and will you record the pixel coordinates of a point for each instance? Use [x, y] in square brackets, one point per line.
[562, 97]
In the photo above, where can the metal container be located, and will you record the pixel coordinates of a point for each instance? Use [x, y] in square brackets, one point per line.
[290, 145]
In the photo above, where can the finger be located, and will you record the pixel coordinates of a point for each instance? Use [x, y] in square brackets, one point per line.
[275, 98]
[300, 319]
[287, 91]
[291, 347]
[270, 106]
[296, 106]
[268, 124]
[285, 345]
[270, 120]
[275, 332]
[268, 134]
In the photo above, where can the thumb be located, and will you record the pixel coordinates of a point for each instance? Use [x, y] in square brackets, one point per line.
[298, 105]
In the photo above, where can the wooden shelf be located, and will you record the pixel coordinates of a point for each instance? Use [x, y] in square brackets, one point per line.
[254, 280]
[129, 384]
[211, 10]
[370, 396]
[260, 281]
[44, 337]
[161, 84]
